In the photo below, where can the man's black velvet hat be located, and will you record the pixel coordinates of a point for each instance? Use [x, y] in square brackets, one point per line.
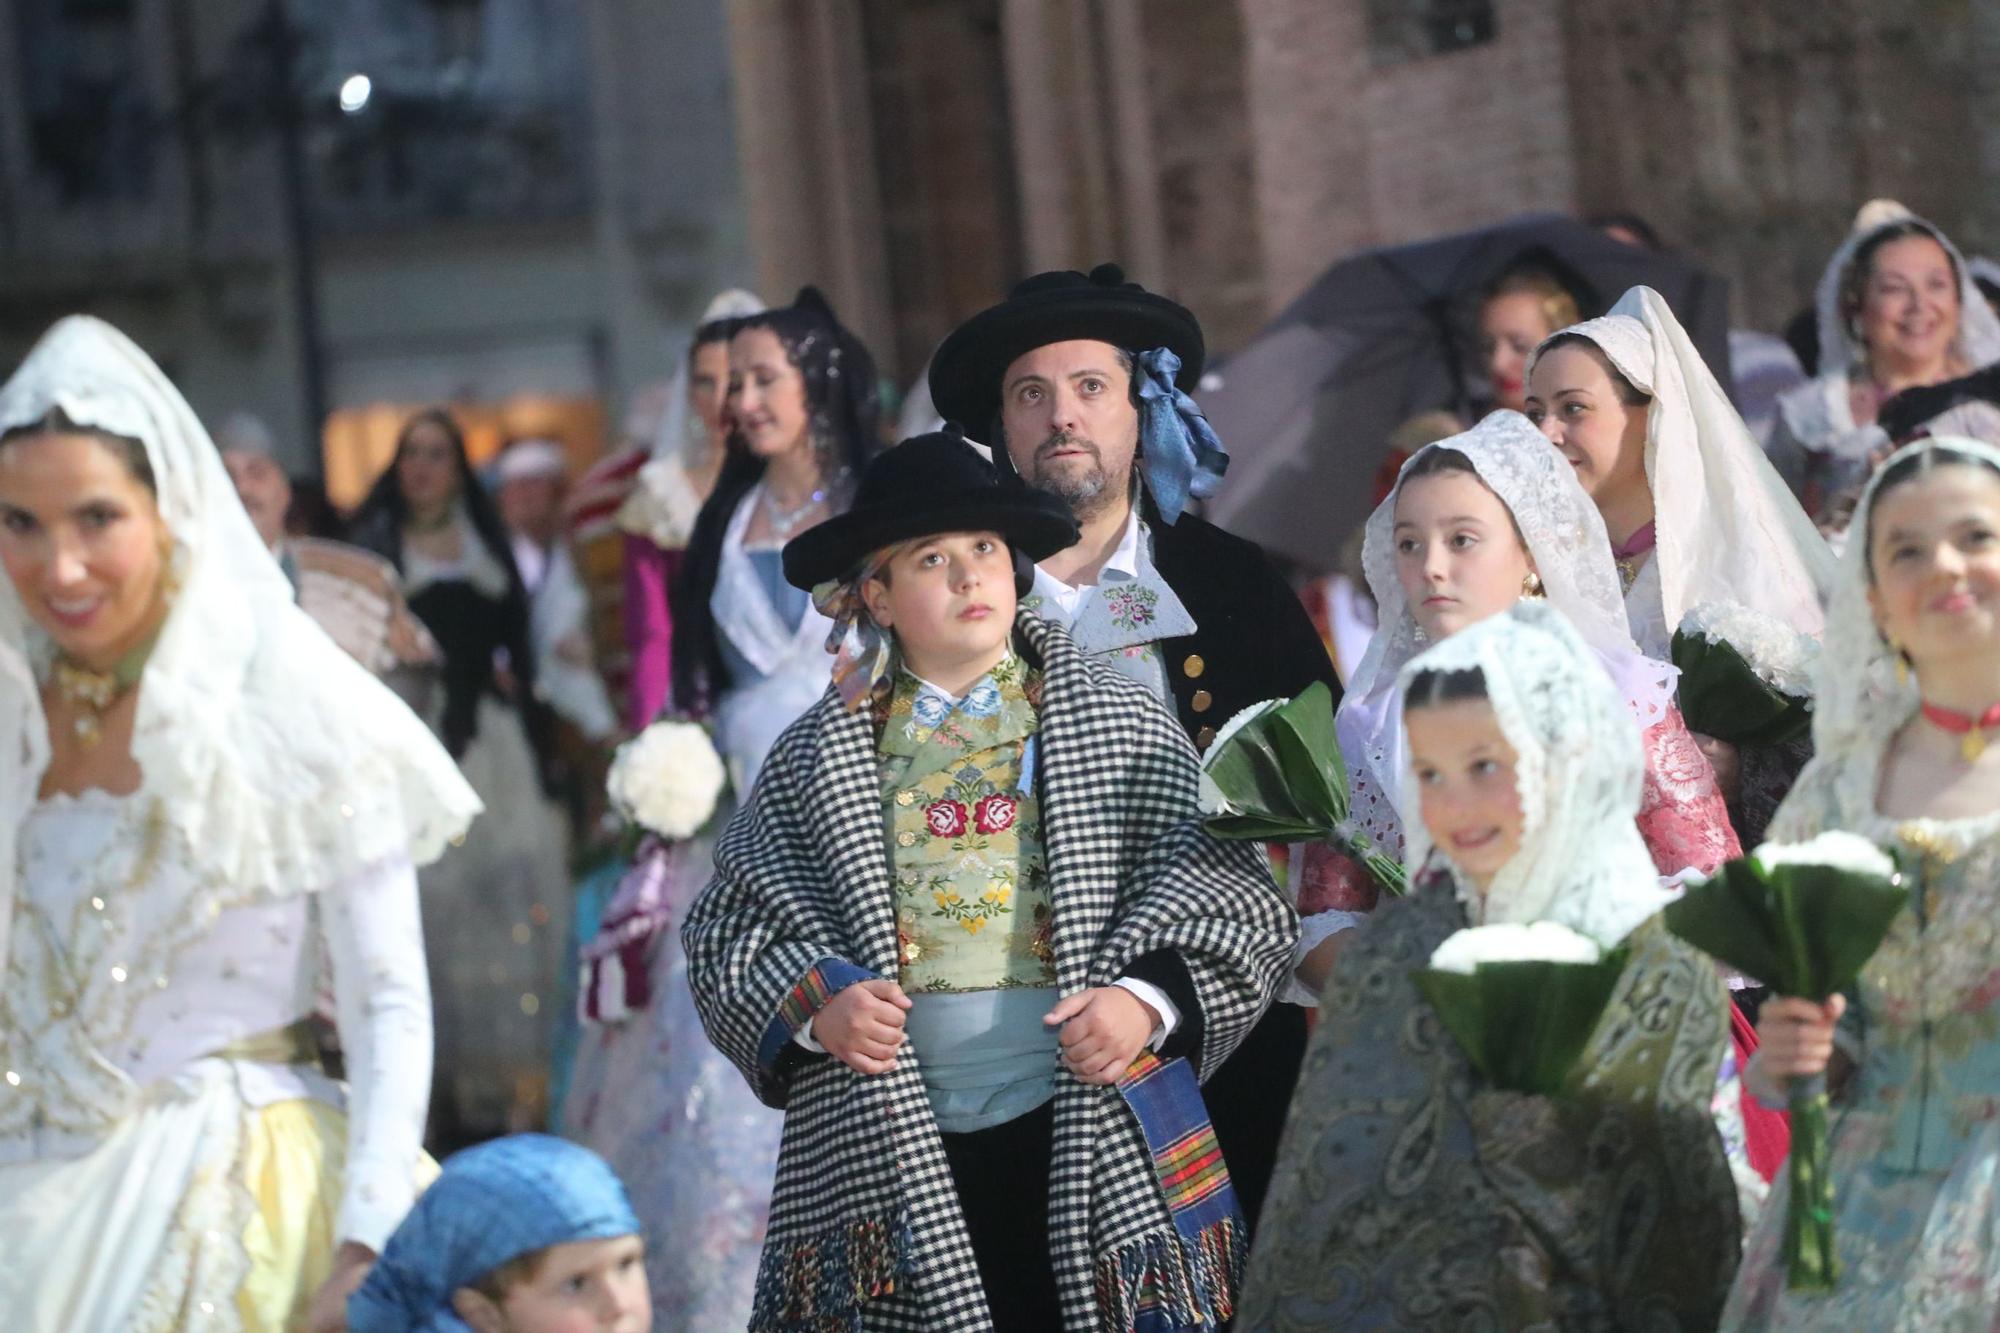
[1056, 307]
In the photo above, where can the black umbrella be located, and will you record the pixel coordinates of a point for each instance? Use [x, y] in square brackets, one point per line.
[1306, 408]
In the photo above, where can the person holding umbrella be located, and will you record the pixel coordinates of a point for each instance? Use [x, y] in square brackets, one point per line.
[1078, 381]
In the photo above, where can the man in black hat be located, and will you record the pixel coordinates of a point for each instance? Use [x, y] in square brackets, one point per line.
[1078, 380]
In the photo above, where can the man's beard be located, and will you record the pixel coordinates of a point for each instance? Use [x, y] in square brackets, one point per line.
[1088, 490]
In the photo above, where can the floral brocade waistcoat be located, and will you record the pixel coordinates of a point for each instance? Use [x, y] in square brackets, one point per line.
[971, 881]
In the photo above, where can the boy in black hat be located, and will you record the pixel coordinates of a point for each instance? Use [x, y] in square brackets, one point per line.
[970, 934]
[1079, 381]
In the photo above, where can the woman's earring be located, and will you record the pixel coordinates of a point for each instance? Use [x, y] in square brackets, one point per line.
[1531, 586]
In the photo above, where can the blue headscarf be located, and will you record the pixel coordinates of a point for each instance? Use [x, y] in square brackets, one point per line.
[1178, 450]
[492, 1203]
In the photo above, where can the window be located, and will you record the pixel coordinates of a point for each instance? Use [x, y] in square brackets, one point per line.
[1404, 30]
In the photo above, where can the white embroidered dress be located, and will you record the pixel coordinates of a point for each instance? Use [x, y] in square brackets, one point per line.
[168, 1158]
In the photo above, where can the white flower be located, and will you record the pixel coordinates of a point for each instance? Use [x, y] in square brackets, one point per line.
[1536, 942]
[1835, 849]
[668, 778]
[1781, 656]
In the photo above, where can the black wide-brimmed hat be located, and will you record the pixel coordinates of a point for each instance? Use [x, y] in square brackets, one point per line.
[926, 485]
[1049, 308]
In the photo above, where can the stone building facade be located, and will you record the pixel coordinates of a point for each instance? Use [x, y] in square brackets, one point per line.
[919, 155]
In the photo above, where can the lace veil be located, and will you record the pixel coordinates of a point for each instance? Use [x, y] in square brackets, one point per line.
[1859, 702]
[1978, 341]
[1581, 862]
[1563, 532]
[664, 503]
[285, 765]
[1728, 529]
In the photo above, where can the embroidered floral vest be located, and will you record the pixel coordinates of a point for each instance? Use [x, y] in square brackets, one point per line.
[971, 883]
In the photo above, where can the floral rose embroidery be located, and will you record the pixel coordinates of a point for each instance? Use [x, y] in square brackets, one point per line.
[945, 819]
[1132, 608]
[995, 813]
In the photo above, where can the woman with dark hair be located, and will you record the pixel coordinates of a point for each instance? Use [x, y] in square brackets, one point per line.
[209, 812]
[495, 908]
[803, 406]
[650, 1093]
[1897, 308]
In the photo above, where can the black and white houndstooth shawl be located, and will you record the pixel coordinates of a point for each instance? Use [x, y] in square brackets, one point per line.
[865, 1230]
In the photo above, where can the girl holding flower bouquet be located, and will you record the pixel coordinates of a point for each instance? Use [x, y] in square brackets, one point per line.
[1909, 699]
[1476, 523]
[1414, 1193]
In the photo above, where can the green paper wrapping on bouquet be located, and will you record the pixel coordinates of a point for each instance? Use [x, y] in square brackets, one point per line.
[1274, 774]
[1722, 695]
[1804, 928]
[1524, 1025]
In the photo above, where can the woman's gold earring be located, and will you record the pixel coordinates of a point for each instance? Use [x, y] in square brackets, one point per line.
[1902, 663]
[1531, 586]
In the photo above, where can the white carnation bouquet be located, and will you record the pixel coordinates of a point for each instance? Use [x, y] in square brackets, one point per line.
[1522, 1000]
[1746, 678]
[668, 779]
[1803, 918]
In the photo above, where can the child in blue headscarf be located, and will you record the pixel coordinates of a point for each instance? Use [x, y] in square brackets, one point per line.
[526, 1234]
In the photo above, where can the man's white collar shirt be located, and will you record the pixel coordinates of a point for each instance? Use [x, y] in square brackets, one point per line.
[1065, 600]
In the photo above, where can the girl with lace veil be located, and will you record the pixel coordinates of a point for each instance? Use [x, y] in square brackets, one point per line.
[206, 795]
[1410, 1193]
[1698, 521]
[1909, 697]
[1476, 522]
[650, 1093]
[1897, 307]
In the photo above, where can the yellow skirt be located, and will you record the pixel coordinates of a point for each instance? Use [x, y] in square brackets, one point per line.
[294, 1159]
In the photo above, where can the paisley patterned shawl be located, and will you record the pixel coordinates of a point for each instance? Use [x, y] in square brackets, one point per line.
[865, 1229]
[1409, 1195]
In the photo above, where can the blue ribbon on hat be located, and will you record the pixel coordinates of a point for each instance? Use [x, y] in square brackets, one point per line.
[492, 1203]
[1179, 452]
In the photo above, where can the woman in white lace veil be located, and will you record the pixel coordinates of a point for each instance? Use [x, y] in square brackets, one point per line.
[1907, 714]
[160, 1106]
[1723, 529]
[1828, 437]
[1578, 769]
[1563, 536]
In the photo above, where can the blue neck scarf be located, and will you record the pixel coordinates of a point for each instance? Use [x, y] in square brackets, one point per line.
[493, 1203]
[1178, 450]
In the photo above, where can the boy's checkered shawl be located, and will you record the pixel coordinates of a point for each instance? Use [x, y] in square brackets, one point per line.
[864, 1197]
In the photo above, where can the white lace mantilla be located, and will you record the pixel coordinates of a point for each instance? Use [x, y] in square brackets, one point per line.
[285, 763]
[1564, 534]
[1578, 768]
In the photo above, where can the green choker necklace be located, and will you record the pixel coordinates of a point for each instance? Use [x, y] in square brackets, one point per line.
[89, 693]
